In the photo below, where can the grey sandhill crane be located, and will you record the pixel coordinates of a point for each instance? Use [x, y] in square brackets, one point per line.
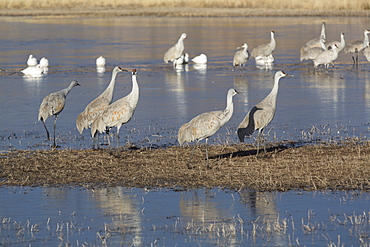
[98, 105]
[119, 112]
[313, 52]
[265, 50]
[357, 46]
[261, 114]
[340, 44]
[326, 57]
[52, 105]
[316, 41]
[206, 124]
[176, 51]
[241, 56]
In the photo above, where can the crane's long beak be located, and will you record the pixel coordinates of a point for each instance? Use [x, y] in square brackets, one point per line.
[238, 92]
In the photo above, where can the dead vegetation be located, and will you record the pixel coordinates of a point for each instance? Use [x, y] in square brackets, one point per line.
[319, 167]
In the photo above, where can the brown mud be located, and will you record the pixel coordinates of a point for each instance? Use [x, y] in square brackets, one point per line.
[281, 168]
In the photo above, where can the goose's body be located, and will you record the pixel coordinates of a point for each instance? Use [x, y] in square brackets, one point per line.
[100, 61]
[33, 71]
[44, 62]
[31, 61]
[184, 59]
[200, 59]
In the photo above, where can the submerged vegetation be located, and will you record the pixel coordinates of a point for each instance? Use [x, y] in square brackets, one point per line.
[318, 167]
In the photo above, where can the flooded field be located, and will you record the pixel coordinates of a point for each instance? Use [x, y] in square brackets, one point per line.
[140, 217]
[314, 106]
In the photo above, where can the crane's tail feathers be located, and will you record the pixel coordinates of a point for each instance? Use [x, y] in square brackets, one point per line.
[244, 132]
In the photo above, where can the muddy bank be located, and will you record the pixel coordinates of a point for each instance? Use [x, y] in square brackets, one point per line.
[318, 167]
[176, 12]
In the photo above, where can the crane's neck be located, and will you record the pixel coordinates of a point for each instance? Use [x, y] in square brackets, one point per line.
[342, 41]
[273, 42]
[322, 34]
[366, 39]
[68, 89]
[275, 89]
[134, 94]
[109, 90]
[245, 50]
[322, 43]
[229, 103]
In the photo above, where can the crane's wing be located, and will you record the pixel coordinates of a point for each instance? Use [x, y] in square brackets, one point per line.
[247, 126]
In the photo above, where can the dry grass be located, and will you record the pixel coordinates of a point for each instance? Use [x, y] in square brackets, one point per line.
[343, 167]
[184, 8]
[269, 4]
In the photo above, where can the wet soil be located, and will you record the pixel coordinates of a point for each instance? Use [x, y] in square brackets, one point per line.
[281, 168]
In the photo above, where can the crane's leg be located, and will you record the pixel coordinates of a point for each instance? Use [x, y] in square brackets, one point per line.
[117, 136]
[258, 141]
[107, 129]
[55, 126]
[192, 155]
[47, 132]
[207, 150]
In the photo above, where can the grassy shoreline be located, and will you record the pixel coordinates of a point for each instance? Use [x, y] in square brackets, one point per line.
[175, 12]
[318, 167]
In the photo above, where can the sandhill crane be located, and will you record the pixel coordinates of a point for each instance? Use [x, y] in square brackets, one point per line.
[33, 71]
[264, 51]
[52, 105]
[100, 61]
[200, 59]
[31, 61]
[357, 46]
[119, 112]
[340, 44]
[175, 51]
[313, 52]
[326, 57]
[241, 56]
[316, 41]
[206, 124]
[261, 114]
[98, 105]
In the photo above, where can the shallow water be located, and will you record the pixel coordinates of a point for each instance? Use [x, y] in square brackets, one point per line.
[313, 105]
[143, 217]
